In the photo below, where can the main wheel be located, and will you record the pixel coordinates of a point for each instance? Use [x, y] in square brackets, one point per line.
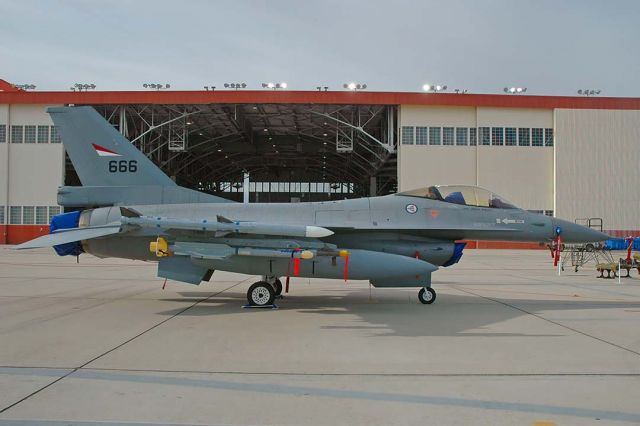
[261, 294]
[427, 295]
[278, 285]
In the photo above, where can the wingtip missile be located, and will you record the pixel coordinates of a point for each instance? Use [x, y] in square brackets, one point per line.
[224, 226]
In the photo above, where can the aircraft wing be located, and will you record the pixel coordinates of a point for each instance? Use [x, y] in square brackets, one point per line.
[65, 236]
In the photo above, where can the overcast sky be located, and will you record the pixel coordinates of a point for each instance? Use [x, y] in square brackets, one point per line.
[550, 46]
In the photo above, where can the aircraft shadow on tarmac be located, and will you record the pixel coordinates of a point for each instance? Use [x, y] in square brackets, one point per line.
[451, 315]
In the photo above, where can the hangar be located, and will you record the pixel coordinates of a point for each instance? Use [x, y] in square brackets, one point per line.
[574, 157]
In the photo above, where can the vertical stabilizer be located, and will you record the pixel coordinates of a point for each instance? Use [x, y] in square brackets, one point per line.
[100, 154]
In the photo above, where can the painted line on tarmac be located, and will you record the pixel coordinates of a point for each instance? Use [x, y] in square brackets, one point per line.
[57, 371]
[551, 321]
[293, 390]
[120, 345]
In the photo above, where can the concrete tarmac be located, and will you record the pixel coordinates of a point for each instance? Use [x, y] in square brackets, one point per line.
[507, 342]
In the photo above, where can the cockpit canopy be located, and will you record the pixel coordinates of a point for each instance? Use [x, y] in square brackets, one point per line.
[462, 194]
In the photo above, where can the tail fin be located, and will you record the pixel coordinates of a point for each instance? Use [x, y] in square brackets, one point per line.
[100, 154]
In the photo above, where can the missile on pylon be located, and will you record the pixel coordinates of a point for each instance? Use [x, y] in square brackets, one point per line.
[225, 226]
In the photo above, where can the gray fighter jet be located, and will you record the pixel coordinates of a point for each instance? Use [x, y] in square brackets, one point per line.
[130, 209]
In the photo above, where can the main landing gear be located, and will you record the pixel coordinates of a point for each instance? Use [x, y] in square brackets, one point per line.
[427, 295]
[263, 293]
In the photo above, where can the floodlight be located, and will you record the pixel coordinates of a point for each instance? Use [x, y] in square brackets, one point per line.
[580, 92]
[352, 86]
[271, 85]
[434, 87]
[226, 85]
[244, 85]
[283, 85]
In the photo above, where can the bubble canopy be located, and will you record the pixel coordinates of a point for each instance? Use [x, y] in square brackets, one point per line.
[461, 194]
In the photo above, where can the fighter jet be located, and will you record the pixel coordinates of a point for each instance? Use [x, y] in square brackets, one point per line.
[128, 208]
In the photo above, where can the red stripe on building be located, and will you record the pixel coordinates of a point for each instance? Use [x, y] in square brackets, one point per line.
[315, 97]
[16, 234]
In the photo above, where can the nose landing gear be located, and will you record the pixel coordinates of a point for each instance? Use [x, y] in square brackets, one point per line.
[427, 295]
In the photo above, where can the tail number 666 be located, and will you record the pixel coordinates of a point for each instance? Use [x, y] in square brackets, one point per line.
[123, 166]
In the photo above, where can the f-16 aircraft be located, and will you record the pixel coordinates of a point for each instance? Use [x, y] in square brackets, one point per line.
[130, 209]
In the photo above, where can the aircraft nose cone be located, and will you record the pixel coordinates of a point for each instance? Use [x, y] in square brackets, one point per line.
[573, 233]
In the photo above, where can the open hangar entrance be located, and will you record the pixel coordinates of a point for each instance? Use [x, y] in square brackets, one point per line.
[291, 152]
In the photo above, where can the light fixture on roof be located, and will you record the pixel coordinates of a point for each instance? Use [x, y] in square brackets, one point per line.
[515, 90]
[354, 86]
[25, 86]
[274, 86]
[84, 86]
[156, 86]
[434, 87]
[209, 88]
[235, 86]
[320, 88]
[460, 91]
[589, 92]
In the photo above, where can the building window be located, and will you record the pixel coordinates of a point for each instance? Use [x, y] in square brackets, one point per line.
[53, 210]
[41, 215]
[523, 137]
[43, 134]
[536, 137]
[435, 136]
[510, 136]
[548, 137]
[15, 215]
[29, 134]
[55, 136]
[421, 135]
[497, 136]
[485, 136]
[3, 133]
[447, 136]
[548, 213]
[473, 140]
[16, 134]
[28, 215]
[461, 136]
[1, 215]
[407, 135]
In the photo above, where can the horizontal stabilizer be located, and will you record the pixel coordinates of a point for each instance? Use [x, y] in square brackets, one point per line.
[69, 236]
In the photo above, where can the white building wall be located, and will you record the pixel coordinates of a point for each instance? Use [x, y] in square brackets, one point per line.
[598, 166]
[523, 175]
[30, 173]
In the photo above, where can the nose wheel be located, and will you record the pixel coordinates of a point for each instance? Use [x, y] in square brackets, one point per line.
[261, 294]
[427, 295]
